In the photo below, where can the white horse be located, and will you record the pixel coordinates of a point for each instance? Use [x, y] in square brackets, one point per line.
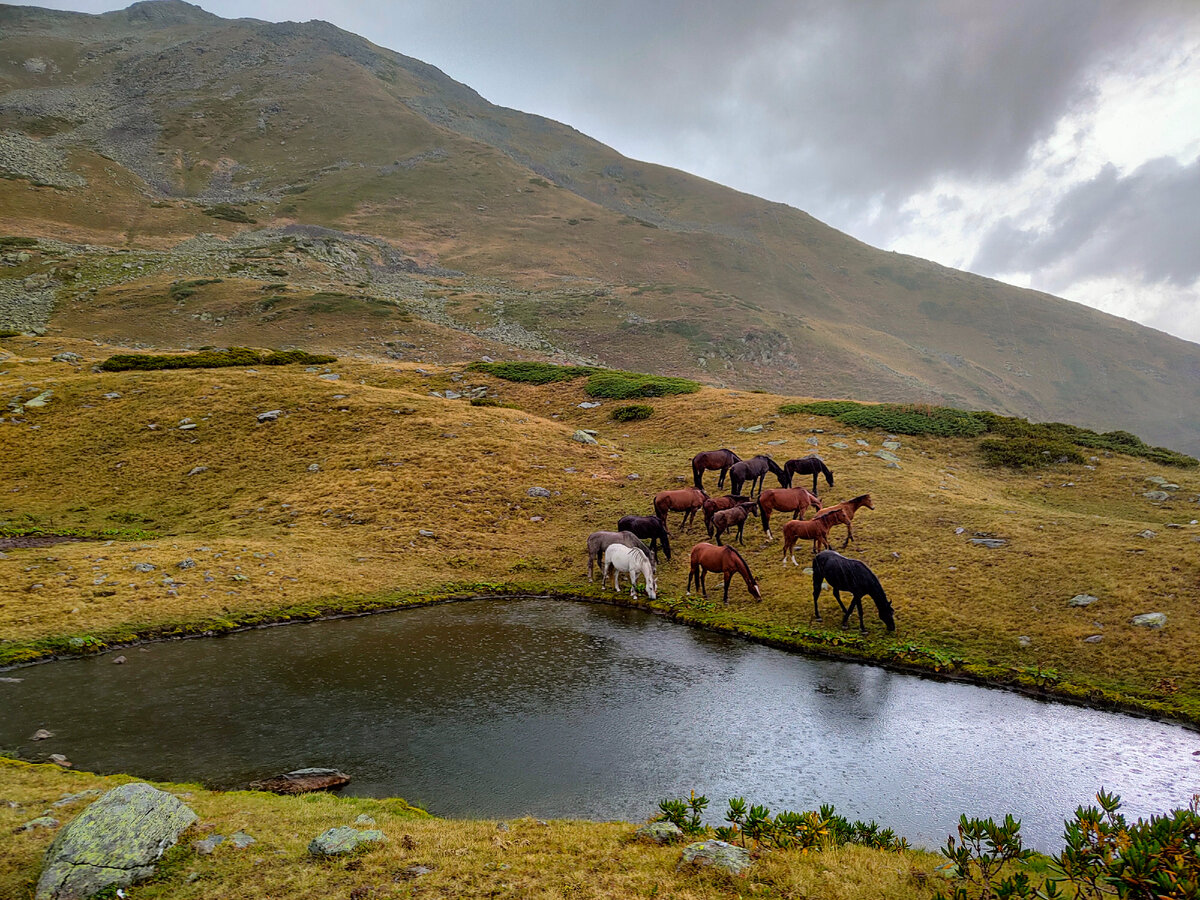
[618, 558]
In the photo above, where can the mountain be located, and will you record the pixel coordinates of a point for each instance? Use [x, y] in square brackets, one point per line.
[174, 178]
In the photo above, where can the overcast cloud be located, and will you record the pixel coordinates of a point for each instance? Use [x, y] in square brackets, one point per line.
[1051, 144]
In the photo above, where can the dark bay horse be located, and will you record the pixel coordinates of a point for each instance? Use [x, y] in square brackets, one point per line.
[815, 530]
[648, 528]
[712, 459]
[850, 507]
[794, 500]
[755, 471]
[686, 500]
[808, 465]
[599, 541]
[713, 504]
[853, 576]
[709, 558]
[734, 517]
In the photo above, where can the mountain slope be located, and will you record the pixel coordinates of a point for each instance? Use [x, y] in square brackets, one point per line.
[119, 131]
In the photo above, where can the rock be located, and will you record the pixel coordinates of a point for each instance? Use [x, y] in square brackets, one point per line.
[313, 467]
[198, 470]
[583, 437]
[1093, 639]
[862, 453]
[270, 415]
[40, 400]
[302, 781]
[887, 455]
[862, 443]
[753, 429]
[425, 533]
[41, 735]
[538, 492]
[1024, 640]
[115, 842]
[1082, 600]
[660, 832]
[59, 760]
[188, 563]
[990, 543]
[812, 442]
[364, 820]
[67, 799]
[1169, 486]
[840, 445]
[716, 854]
[892, 465]
[503, 826]
[120, 661]
[451, 395]
[190, 426]
[777, 443]
[330, 376]
[208, 845]
[144, 567]
[633, 476]
[1156, 479]
[1157, 496]
[1147, 534]
[415, 871]
[241, 840]
[1150, 620]
[959, 530]
[39, 822]
[113, 395]
[67, 357]
[588, 404]
[891, 445]
[343, 840]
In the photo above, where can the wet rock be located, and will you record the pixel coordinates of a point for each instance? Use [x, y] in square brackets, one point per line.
[660, 832]
[59, 760]
[302, 781]
[583, 437]
[115, 842]
[1082, 600]
[270, 415]
[716, 854]
[1150, 620]
[120, 661]
[538, 492]
[343, 840]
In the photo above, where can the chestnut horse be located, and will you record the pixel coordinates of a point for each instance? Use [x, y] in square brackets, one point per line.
[713, 504]
[648, 528]
[709, 558]
[734, 517]
[686, 500]
[712, 459]
[808, 465]
[816, 530]
[755, 471]
[850, 507]
[794, 500]
[850, 575]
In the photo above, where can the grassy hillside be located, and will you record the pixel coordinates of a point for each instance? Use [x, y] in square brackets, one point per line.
[126, 135]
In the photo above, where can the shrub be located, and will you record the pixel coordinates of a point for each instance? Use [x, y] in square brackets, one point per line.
[831, 408]
[634, 412]
[212, 359]
[531, 372]
[229, 213]
[617, 385]
[1027, 452]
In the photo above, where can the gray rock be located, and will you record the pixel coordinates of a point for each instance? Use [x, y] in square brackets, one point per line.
[1150, 620]
[330, 376]
[633, 476]
[812, 442]
[425, 533]
[364, 820]
[1148, 534]
[862, 443]
[1156, 479]
[39, 822]
[188, 563]
[313, 467]
[451, 395]
[343, 840]
[588, 404]
[415, 871]
[241, 840]
[67, 799]
[1157, 496]
[538, 492]
[59, 760]
[115, 842]
[777, 443]
[198, 470]
[862, 453]
[840, 445]
[1093, 639]
[270, 415]
[892, 465]
[1082, 600]
[990, 543]
[208, 845]
[1024, 640]
[41, 735]
[660, 832]
[112, 395]
[891, 445]
[190, 426]
[753, 429]
[887, 455]
[67, 357]
[583, 437]
[144, 567]
[1169, 486]
[716, 854]
[40, 400]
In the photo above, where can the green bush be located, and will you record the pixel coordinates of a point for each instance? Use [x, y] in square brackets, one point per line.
[212, 359]
[229, 213]
[634, 412]
[942, 421]
[531, 372]
[617, 385]
[1027, 452]
[831, 408]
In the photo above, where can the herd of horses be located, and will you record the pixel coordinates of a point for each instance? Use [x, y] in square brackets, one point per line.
[633, 548]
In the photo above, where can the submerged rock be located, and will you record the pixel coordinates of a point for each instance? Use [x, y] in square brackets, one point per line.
[301, 781]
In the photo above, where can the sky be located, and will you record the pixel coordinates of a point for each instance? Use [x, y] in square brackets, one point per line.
[1052, 144]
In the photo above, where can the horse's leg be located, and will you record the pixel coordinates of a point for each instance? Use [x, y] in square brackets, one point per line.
[691, 575]
[704, 582]
[816, 595]
[721, 480]
[591, 563]
[741, 525]
[814, 490]
[837, 595]
[849, 535]
[728, 578]
[857, 601]
[698, 476]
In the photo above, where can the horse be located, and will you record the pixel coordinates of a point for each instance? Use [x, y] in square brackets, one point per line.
[618, 558]
[712, 504]
[815, 529]
[648, 528]
[755, 470]
[794, 500]
[850, 507]
[850, 575]
[599, 541]
[712, 459]
[709, 558]
[688, 500]
[735, 516]
[808, 465]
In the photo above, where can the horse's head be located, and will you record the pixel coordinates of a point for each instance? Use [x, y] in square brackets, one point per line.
[755, 591]
[867, 501]
[885, 613]
[651, 581]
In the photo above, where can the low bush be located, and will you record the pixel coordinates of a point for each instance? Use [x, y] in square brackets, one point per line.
[616, 385]
[181, 290]
[212, 359]
[229, 213]
[633, 412]
[1027, 452]
[531, 372]
[831, 408]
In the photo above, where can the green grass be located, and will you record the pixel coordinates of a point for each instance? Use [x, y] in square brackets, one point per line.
[532, 372]
[212, 359]
[626, 385]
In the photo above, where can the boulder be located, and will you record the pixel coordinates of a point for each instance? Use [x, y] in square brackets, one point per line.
[538, 492]
[41, 735]
[39, 822]
[343, 840]
[115, 842]
[1082, 600]
[1150, 620]
[1157, 496]
[660, 832]
[891, 445]
[716, 854]
[588, 404]
[990, 543]
[887, 456]
[302, 781]
[270, 415]
[583, 437]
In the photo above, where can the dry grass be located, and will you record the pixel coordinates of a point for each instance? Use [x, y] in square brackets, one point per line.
[553, 860]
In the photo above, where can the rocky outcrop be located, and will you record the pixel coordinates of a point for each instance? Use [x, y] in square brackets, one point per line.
[302, 781]
[717, 855]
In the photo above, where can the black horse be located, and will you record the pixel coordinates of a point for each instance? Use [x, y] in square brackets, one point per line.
[808, 465]
[850, 575]
[650, 529]
[755, 471]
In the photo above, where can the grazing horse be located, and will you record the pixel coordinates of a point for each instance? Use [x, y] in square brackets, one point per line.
[648, 528]
[618, 558]
[713, 504]
[794, 500]
[599, 541]
[712, 459]
[808, 465]
[850, 507]
[734, 517]
[709, 558]
[815, 529]
[850, 575]
[688, 500]
[755, 470]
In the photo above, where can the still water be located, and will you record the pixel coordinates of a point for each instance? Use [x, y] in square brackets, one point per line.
[560, 709]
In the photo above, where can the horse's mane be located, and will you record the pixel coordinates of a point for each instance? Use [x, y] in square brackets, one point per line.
[859, 499]
[744, 563]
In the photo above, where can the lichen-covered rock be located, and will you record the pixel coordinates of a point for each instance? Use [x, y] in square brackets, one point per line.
[887, 456]
[343, 840]
[114, 842]
[302, 781]
[1150, 620]
[583, 437]
[660, 832]
[716, 854]
[1082, 600]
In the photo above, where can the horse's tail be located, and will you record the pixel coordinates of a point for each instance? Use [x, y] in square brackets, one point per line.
[764, 511]
[666, 542]
[733, 455]
[696, 475]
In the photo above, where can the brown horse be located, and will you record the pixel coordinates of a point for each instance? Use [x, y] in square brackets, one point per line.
[686, 500]
[709, 558]
[850, 507]
[713, 504]
[712, 459]
[794, 500]
[816, 530]
[734, 517]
